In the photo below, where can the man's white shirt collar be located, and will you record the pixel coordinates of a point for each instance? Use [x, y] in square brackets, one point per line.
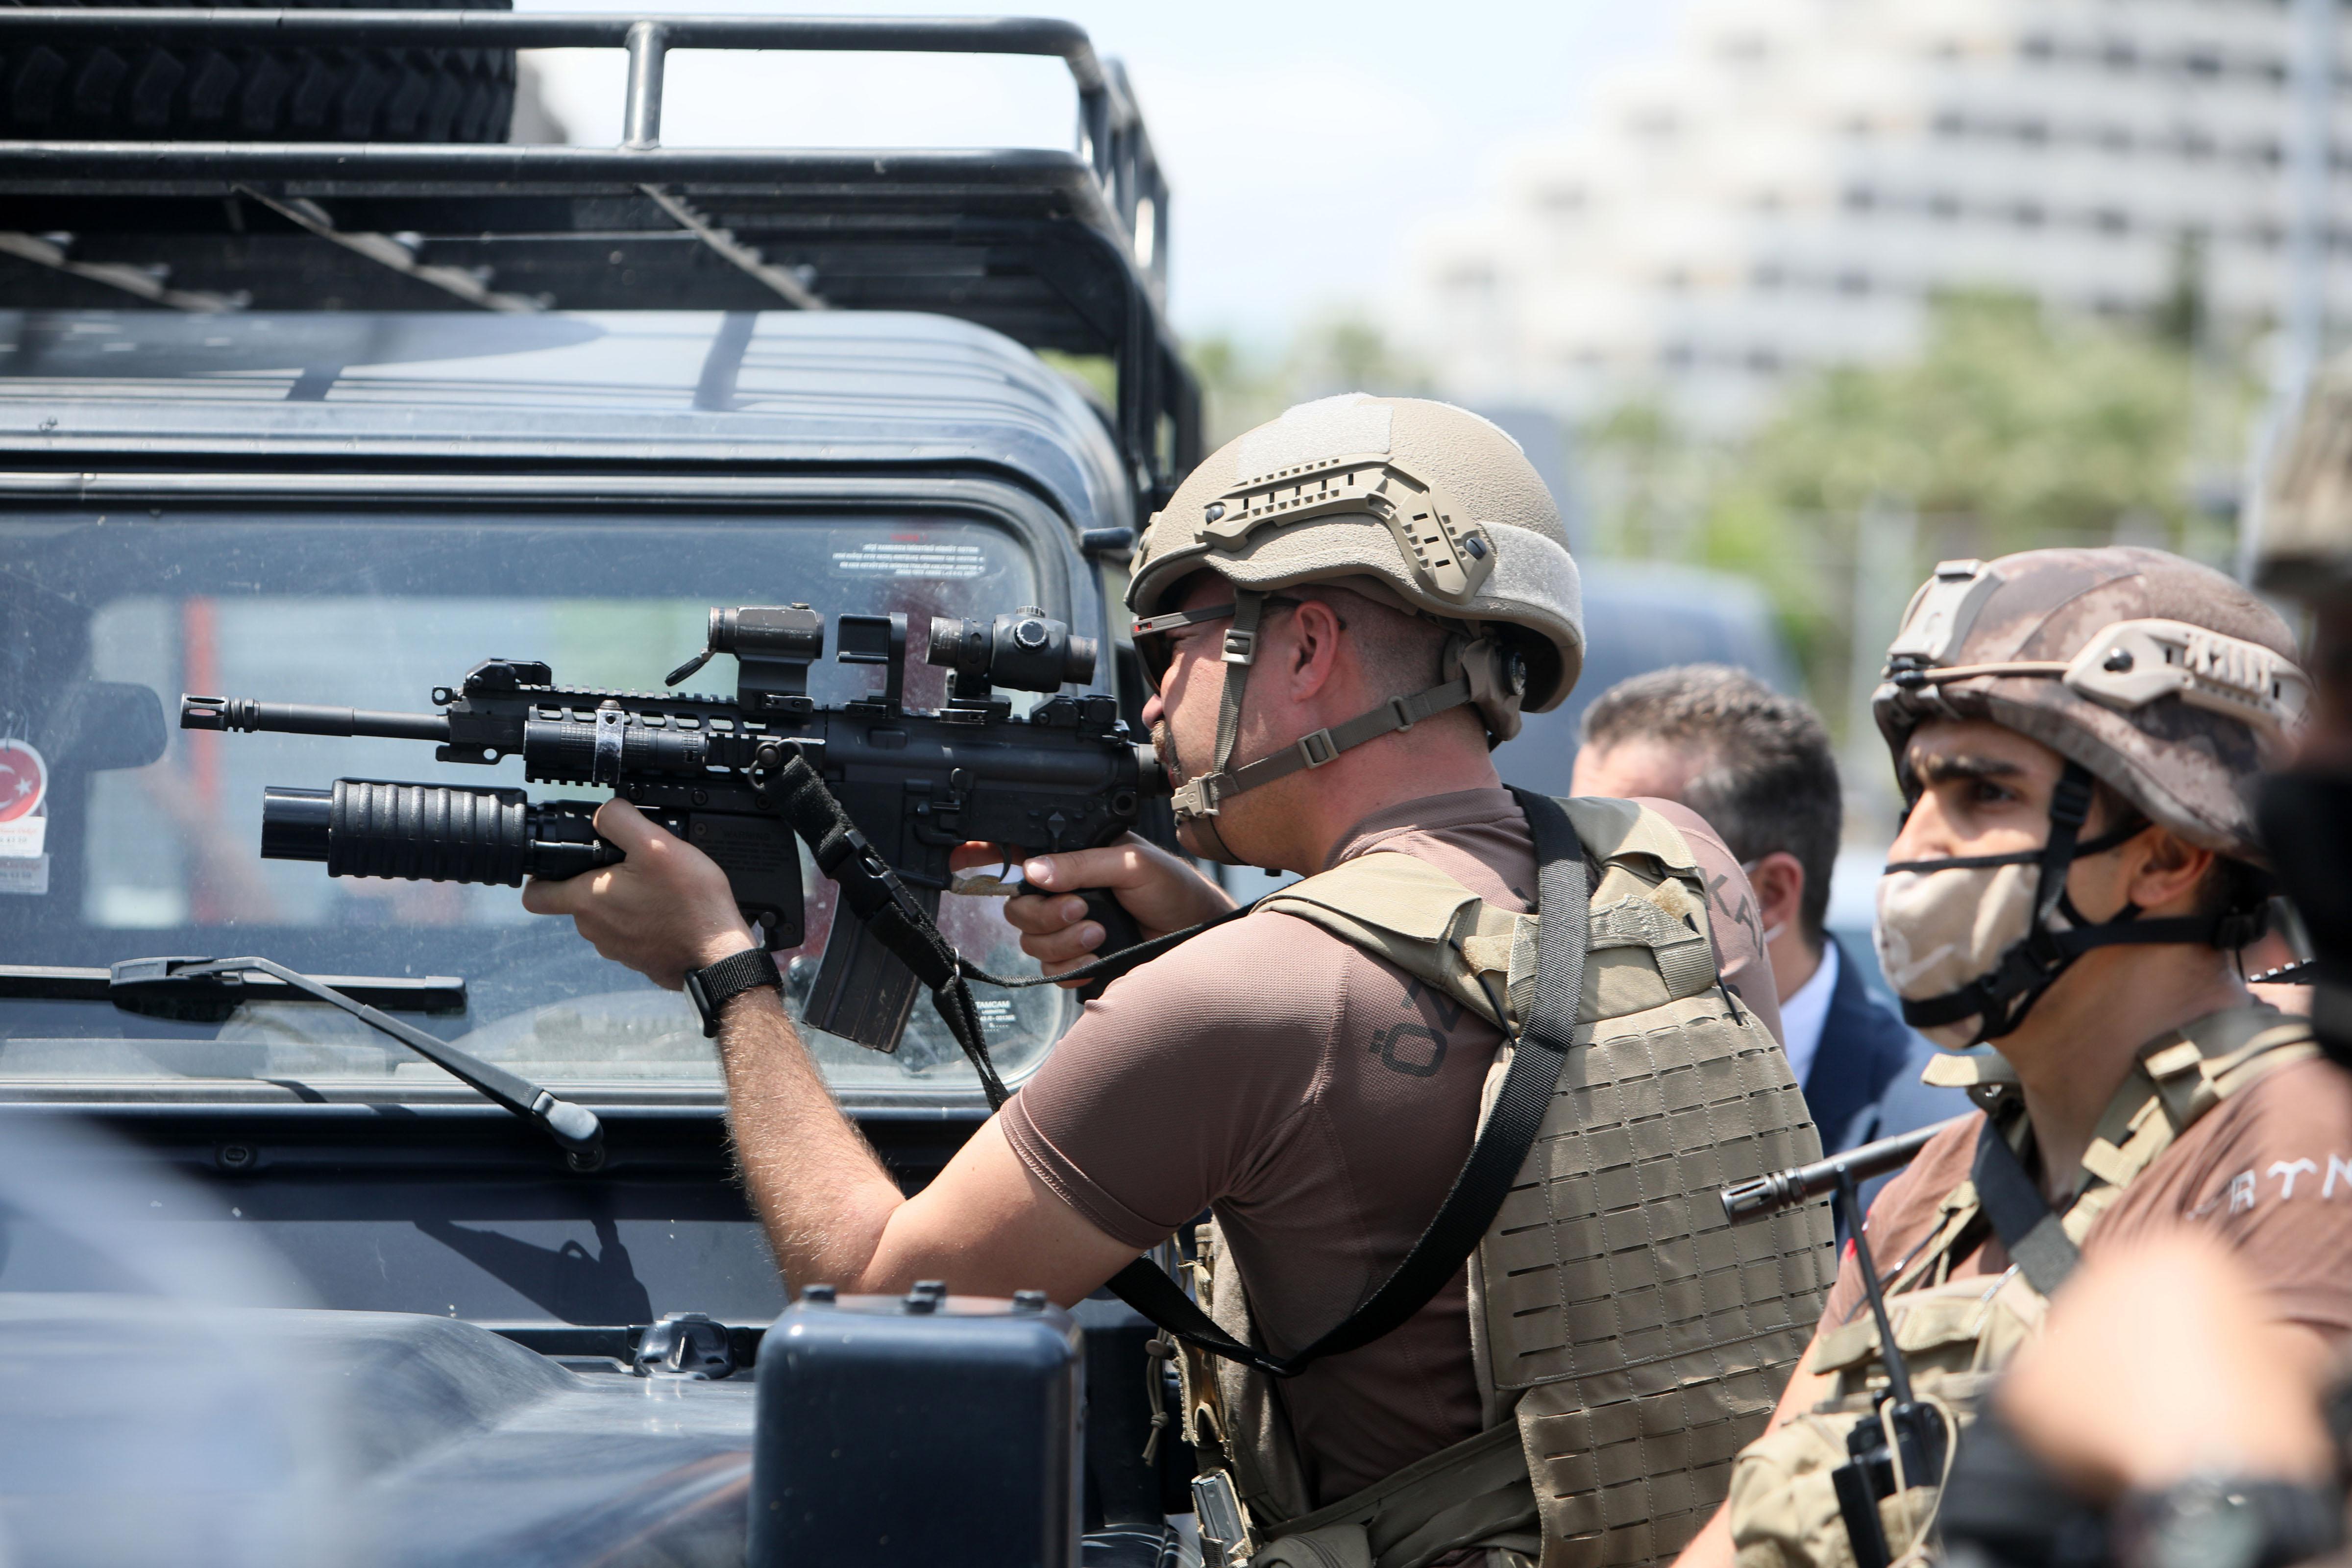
[1803, 1014]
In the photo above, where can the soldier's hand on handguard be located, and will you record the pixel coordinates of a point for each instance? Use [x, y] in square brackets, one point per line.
[1160, 891]
[665, 910]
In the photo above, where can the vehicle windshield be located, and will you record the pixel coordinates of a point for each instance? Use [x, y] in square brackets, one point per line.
[123, 835]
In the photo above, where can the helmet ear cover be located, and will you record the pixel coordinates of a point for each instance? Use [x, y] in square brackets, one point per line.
[1496, 673]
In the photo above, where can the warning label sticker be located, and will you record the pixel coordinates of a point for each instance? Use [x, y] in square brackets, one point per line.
[911, 557]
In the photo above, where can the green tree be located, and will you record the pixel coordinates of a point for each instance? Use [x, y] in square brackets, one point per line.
[2008, 430]
[1648, 479]
[2029, 432]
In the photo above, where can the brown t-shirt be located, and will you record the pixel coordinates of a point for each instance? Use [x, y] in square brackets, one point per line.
[1321, 1102]
[2268, 1171]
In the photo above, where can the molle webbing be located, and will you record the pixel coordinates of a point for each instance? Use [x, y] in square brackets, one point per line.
[1639, 1339]
[1646, 940]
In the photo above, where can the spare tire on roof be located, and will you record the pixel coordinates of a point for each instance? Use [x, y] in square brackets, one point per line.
[72, 89]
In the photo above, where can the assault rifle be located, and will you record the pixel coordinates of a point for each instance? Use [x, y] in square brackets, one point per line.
[734, 778]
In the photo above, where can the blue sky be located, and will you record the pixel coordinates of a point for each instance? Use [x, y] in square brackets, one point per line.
[1304, 141]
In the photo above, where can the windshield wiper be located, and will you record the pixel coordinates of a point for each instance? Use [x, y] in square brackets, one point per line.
[209, 989]
[156, 988]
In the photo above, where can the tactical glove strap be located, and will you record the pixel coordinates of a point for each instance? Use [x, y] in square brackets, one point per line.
[1539, 1056]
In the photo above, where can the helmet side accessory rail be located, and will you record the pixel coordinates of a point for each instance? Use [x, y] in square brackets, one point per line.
[2133, 663]
[1451, 555]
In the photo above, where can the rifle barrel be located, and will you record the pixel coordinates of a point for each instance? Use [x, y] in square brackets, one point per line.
[1745, 1201]
[303, 719]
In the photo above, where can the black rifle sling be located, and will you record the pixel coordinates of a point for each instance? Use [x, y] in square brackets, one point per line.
[2037, 1243]
[871, 891]
[1495, 1158]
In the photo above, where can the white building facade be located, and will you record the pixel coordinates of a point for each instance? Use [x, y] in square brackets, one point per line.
[1793, 183]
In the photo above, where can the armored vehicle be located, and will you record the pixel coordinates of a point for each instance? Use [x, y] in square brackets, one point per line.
[326, 406]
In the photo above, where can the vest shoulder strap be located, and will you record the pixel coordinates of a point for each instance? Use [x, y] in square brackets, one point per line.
[1419, 918]
[1618, 829]
[1403, 909]
[2179, 1077]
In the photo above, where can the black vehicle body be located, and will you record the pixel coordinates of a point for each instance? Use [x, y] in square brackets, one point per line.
[351, 493]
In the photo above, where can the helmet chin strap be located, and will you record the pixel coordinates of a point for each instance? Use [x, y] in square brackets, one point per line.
[2000, 1000]
[1197, 801]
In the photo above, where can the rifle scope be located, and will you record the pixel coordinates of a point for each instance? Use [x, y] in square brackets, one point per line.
[1028, 650]
[431, 833]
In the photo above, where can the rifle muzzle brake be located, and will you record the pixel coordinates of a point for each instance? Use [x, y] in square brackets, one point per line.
[230, 713]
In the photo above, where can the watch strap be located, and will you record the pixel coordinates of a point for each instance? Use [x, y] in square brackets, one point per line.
[714, 985]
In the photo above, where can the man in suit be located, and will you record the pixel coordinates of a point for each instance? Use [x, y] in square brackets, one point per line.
[1756, 765]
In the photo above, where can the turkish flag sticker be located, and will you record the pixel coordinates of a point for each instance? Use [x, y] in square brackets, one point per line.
[24, 780]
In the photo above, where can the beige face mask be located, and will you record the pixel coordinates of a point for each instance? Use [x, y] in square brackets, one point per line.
[1937, 931]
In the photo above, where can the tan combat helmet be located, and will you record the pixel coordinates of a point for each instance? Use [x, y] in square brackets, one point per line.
[1418, 505]
[2163, 679]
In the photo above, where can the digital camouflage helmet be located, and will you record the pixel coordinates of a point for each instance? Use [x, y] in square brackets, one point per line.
[1420, 505]
[2166, 680]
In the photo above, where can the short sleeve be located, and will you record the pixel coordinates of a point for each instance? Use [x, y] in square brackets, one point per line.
[1904, 1215]
[2274, 1183]
[1173, 1085]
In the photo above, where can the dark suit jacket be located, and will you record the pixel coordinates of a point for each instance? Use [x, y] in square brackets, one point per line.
[1864, 1048]
[1864, 1080]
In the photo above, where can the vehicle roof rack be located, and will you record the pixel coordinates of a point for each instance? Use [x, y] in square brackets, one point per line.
[1059, 250]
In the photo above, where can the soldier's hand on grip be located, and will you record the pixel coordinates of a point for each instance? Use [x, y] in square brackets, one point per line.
[665, 910]
[1161, 891]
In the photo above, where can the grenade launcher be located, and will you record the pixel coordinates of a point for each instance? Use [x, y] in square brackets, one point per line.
[914, 784]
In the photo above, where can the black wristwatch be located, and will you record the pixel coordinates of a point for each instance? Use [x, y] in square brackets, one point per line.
[2220, 1522]
[715, 985]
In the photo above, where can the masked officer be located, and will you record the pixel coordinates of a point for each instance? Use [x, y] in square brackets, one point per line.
[2074, 731]
[2226, 1458]
[1343, 611]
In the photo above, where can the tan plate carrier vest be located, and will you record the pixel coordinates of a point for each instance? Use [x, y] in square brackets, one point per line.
[1957, 1333]
[1627, 1341]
